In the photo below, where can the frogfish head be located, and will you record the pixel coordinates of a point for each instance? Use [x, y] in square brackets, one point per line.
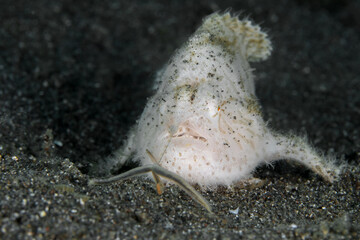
[203, 139]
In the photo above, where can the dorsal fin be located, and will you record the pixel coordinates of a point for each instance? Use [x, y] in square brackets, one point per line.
[238, 34]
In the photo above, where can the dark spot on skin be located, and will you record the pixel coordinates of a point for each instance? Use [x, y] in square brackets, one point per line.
[211, 75]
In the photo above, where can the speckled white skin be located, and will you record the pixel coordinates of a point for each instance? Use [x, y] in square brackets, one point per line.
[204, 122]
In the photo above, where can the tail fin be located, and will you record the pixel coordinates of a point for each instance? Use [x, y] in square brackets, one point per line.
[239, 35]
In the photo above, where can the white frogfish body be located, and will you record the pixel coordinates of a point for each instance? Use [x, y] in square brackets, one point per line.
[204, 122]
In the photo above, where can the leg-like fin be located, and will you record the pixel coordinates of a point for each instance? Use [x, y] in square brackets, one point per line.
[159, 184]
[183, 185]
[297, 149]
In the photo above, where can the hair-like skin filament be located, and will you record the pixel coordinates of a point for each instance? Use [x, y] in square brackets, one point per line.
[157, 171]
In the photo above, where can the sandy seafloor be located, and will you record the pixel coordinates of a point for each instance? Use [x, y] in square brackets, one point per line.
[75, 76]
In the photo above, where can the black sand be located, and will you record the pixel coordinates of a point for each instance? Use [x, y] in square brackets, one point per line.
[75, 75]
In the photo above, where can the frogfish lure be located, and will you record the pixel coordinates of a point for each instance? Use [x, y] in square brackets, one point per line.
[204, 125]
